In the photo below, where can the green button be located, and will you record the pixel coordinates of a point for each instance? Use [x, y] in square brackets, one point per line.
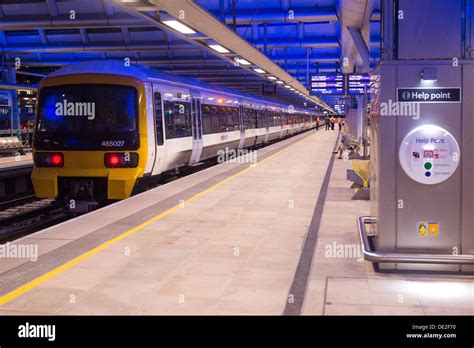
[428, 165]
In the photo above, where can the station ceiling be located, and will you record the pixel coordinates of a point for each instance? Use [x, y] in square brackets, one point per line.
[299, 36]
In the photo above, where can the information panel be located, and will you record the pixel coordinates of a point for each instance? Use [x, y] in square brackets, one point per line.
[357, 82]
[327, 84]
[429, 154]
[339, 108]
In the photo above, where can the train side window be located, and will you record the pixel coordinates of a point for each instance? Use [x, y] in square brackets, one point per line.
[158, 118]
[261, 122]
[222, 114]
[249, 118]
[177, 119]
[210, 119]
[232, 118]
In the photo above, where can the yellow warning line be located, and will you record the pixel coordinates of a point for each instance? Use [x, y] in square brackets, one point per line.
[36, 282]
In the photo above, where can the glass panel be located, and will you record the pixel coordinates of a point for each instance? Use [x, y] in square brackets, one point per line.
[177, 119]
[158, 118]
[87, 116]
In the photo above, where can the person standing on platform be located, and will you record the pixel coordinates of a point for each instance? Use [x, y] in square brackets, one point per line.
[327, 123]
[317, 123]
[333, 121]
[339, 122]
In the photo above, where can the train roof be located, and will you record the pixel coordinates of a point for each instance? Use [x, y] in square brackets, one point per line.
[144, 73]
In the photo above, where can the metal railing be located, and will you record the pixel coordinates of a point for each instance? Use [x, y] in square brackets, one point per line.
[379, 256]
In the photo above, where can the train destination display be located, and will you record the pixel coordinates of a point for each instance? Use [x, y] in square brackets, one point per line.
[327, 84]
[356, 83]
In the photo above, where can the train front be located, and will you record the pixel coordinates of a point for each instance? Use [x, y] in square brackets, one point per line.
[87, 139]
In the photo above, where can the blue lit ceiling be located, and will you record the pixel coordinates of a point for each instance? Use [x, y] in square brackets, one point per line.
[301, 36]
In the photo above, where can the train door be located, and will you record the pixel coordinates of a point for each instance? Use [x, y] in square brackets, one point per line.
[242, 125]
[160, 158]
[196, 121]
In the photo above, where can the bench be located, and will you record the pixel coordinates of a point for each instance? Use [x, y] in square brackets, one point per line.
[360, 176]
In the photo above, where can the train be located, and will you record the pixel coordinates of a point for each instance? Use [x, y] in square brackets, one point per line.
[102, 128]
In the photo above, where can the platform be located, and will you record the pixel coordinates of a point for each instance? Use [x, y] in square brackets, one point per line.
[232, 239]
[11, 162]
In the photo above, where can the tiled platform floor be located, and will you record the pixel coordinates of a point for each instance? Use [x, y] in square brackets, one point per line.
[235, 251]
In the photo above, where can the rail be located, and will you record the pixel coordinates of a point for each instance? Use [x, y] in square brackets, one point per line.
[379, 256]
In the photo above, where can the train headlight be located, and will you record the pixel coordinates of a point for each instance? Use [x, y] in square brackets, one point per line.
[121, 160]
[49, 159]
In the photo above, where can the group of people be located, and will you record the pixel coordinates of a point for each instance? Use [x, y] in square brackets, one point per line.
[330, 122]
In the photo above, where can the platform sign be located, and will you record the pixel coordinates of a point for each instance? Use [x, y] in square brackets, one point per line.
[358, 83]
[429, 95]
[339, 108]
[429, 154]
[327, 84]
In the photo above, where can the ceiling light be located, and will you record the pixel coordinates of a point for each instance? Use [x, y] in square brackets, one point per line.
[280, 82]
[242, 61]
[219, 48]
[272, 77]
[260, 71]
[286, 86]
[178, 26]
[429, 74]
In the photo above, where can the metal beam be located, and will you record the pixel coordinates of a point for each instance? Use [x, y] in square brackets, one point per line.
[354, 14]
[52, 7]
[98, 47]
[6, 85]
[63, 22]
[202, 21]
[362, 48]
[43, 36]
[126, 35]
[108, 7]
[300, 14]
[84, 35]
[315, 42]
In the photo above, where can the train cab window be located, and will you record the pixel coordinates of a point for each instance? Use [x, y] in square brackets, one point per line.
[158, 118]
[87, 117]
[177, 119]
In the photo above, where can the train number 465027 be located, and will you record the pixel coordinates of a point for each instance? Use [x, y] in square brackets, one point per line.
[113, 143]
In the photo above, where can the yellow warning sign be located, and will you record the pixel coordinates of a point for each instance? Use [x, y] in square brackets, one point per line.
[428, 229]
[422, 229]
[433, 228]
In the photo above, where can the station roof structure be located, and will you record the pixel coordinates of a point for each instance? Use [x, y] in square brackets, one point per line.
[268, 47]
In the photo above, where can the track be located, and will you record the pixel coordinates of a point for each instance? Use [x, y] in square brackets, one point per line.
[27, 218]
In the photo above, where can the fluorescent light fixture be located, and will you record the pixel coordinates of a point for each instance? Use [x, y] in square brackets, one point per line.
[280, 82]
[242, 61]
[218, 48]
[272, 78]
[178, 26]
[260, 71]
[286, 86]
